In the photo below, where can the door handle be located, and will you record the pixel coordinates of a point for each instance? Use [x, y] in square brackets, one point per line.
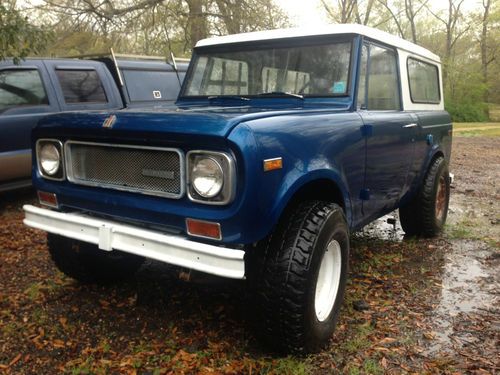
[412, 125]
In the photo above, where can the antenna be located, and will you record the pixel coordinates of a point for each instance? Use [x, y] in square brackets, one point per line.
[120, 79]
[173, 64]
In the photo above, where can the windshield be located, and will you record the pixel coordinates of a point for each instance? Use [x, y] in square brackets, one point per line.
[318, 70]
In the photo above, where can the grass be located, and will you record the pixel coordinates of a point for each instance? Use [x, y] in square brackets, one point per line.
[290, 366]
[477, 129]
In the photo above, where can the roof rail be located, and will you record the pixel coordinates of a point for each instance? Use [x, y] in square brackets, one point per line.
[124, 56]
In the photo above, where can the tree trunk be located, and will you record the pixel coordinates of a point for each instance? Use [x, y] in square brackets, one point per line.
[197, 22]
[484, 47]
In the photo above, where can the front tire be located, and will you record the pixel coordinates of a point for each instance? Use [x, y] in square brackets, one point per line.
[298, 278]
[426, 214]
[84, 261]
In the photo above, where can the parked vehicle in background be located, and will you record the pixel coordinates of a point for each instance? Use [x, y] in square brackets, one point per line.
[38, 87]
[281, 143]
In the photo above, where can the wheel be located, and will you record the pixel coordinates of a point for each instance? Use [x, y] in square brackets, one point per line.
[426, 214]
[86, 263]
[298, 277]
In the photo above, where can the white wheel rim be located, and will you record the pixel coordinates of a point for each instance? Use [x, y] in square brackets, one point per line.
[328, 281]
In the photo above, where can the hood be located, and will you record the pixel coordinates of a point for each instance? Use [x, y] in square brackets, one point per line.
[186, 121]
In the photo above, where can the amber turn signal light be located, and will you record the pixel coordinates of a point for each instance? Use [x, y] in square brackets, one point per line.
[47, 199]
[203, 229]
[272, 164]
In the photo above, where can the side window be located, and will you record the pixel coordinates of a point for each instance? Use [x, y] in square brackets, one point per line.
[362, 78]
[381, 90]
[81, 86]
[21, 87]
[424, 82]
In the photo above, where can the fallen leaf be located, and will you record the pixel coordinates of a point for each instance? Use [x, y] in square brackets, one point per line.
[15, 360]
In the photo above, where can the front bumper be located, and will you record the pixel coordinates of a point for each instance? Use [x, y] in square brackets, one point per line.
[167, 248]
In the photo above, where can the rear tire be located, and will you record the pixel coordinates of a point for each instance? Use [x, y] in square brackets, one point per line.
[84, 261]
[426, 214]
[298, 278]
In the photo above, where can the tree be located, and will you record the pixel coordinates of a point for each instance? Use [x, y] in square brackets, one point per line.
[349, 11]
[18, 37]
[188, 20]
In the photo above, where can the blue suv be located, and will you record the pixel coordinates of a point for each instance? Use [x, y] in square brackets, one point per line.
[281, 144]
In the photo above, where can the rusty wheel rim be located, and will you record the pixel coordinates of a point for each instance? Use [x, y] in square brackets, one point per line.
[441, 198]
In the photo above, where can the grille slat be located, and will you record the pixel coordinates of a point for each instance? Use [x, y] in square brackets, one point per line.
[140, 169]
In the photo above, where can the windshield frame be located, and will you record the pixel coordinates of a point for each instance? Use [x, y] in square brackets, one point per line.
[309, 41]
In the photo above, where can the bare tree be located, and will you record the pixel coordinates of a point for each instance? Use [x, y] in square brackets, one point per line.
[347, 11]
[486, 57]
[411, 10]
[451, 22]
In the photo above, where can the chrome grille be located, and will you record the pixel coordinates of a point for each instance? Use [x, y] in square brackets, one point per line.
[149, 170]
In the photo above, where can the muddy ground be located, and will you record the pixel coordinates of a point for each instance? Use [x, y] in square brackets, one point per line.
[412, 306]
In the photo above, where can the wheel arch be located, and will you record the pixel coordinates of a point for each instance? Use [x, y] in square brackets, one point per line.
[318, 185]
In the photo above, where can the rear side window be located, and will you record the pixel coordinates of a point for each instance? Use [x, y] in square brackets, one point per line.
[151, 85]
[424, 82]
[81, 86]
[21, 87]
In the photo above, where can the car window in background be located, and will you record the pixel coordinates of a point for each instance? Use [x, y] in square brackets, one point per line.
[81, 86]
[21, 87]
[151, 85]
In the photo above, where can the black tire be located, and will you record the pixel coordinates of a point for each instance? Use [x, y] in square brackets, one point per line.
[283, 273]
[86, 263]
[426, 214]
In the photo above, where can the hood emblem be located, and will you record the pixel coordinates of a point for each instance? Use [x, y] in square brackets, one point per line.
[109, 122]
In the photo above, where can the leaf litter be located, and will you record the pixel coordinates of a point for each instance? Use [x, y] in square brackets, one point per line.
[412, 306]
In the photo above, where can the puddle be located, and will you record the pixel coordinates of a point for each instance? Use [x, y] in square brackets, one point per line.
[468, 287]
[385, 228]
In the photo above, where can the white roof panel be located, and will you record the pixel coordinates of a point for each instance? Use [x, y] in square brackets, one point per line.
[370, 32]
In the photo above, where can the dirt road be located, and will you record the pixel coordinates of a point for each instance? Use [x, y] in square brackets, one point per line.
[412, 306]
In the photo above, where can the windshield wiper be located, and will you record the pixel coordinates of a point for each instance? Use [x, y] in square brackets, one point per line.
[228, 97]
[278, 94]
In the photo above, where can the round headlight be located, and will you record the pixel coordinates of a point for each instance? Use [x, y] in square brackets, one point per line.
[50, 159]
[207, 177]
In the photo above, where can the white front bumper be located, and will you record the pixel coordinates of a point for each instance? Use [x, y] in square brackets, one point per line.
[109, 235]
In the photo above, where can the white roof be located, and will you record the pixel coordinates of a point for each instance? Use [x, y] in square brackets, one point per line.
[370, 32]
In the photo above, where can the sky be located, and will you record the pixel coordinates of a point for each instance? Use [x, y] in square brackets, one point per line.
[304, 13]
[310, 12]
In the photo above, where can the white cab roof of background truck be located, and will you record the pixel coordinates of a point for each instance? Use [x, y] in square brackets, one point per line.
[369, 32]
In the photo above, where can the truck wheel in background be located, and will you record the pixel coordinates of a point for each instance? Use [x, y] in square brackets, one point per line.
[298, 277]
[86, 263]
[426, 214]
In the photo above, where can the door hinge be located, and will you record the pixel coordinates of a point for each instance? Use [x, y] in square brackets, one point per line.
[367, 130]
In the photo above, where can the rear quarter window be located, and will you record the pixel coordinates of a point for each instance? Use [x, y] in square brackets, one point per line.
[424, 81]
[81, 86]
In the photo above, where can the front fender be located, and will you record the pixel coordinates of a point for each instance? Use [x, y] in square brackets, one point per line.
[295, 181]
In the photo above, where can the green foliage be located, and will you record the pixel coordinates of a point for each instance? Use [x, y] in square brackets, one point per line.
[466, 111]
[465, 92]
[18, 37]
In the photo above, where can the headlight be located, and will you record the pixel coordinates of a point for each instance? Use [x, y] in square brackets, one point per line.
[207, 177]
[49, 157]
[211, 177]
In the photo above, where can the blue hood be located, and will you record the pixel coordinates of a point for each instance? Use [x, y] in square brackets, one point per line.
[190, 121]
